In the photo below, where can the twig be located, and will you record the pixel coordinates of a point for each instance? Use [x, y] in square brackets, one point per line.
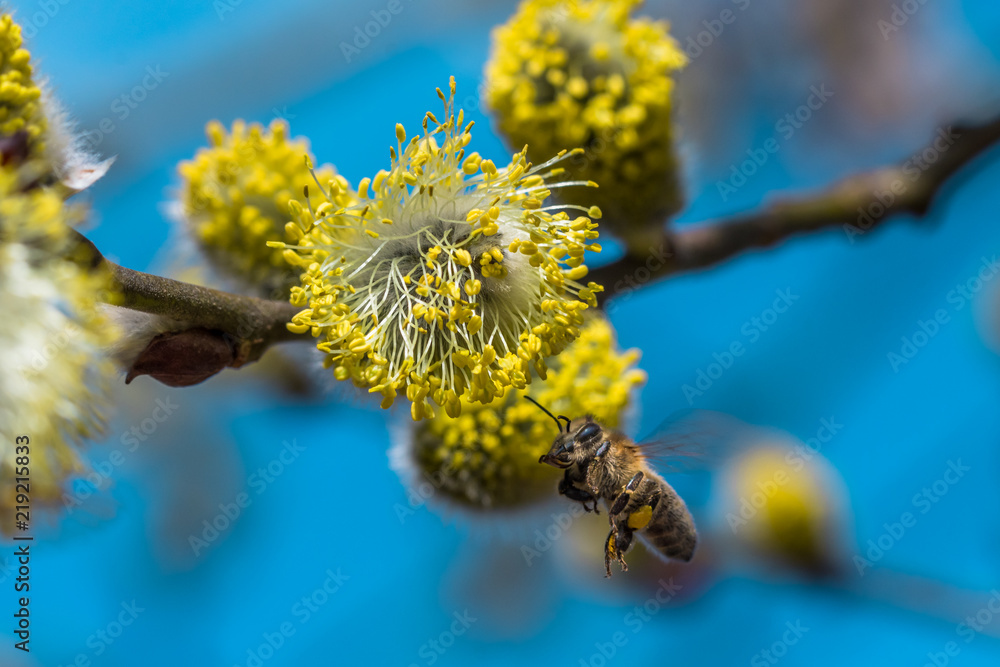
[857, 203]
[215, 329]
[219, 330]
[258, 321]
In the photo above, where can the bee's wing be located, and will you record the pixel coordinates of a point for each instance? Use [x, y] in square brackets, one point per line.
[692, 440]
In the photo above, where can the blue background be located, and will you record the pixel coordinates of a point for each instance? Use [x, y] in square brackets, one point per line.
[336, 506]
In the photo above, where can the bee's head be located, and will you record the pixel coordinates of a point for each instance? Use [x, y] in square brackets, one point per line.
[577, 443]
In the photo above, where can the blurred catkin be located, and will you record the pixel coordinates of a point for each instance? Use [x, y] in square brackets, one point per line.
[488, 457]
[54, 377]
[235, 199]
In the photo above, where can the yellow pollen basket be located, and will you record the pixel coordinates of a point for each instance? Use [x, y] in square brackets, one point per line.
[640, 518]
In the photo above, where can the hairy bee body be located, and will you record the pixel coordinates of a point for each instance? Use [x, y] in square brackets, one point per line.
[670, 529]
[601, 464]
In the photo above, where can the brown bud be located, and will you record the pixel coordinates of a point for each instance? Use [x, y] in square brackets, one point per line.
[184, 358]
[14, 149]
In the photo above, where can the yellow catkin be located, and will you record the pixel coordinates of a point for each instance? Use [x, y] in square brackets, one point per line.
[235, 196]
[20, 96]
[54, 377]
[488, 457]
[436, 297]
[792, 524]
[586, 74]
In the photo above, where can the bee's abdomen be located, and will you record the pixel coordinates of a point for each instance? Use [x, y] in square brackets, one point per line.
[671, 529]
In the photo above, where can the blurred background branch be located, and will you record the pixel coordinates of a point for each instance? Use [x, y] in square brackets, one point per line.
[857, 204]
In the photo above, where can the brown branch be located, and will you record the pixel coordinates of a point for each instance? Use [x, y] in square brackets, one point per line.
[215, 329]
[218, 330]
[245, 318]
[857, 204]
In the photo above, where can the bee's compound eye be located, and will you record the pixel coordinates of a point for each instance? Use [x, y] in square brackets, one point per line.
[587, 432]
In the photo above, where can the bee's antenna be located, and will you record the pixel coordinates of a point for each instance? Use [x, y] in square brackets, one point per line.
[556, 420]
[568, 422]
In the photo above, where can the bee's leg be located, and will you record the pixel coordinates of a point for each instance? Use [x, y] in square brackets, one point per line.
[568, 489]
[623, 538]
[654, 500]
[603, 449]
[623, 541]
[610, 552]
[622, 500]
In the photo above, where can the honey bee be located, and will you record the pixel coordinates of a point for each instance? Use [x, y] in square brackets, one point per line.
[601, 464]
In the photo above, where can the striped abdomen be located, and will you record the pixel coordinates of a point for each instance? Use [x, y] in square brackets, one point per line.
[670, 530]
